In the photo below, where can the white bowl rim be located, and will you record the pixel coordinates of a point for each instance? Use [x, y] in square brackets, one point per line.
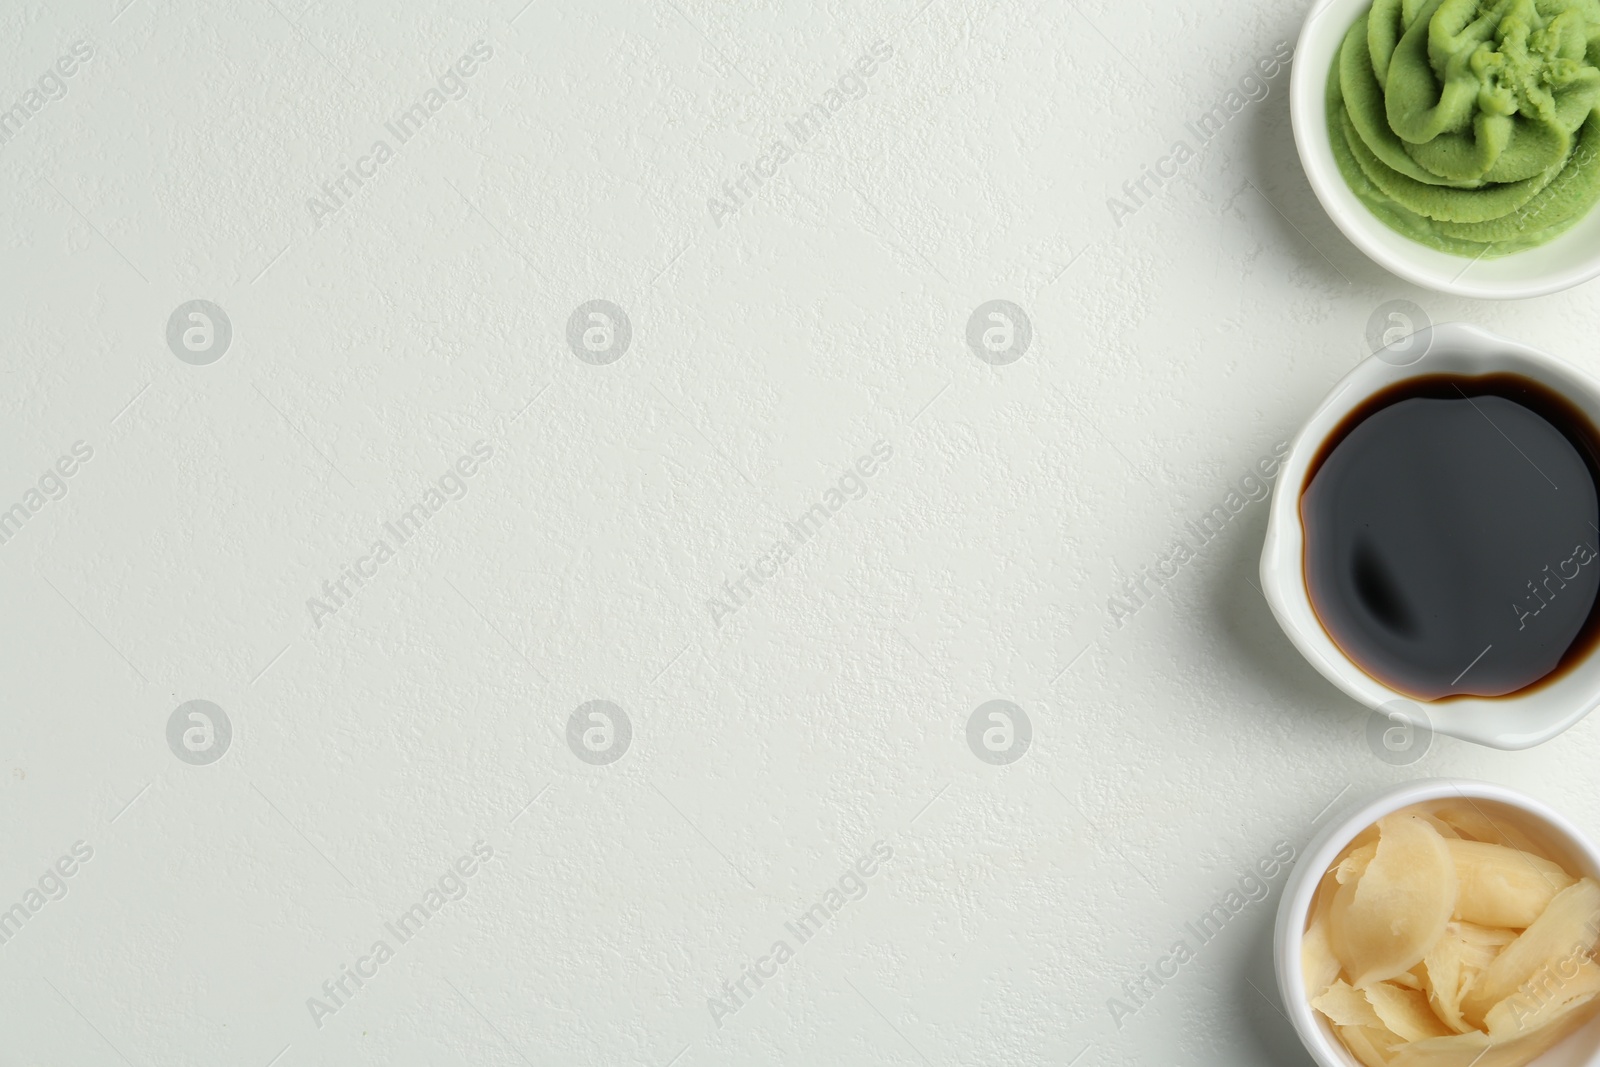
[1492, 722]
[1307, 97]
[1295, 905]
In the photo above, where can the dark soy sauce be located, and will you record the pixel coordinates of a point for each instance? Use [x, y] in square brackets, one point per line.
[1451, 535]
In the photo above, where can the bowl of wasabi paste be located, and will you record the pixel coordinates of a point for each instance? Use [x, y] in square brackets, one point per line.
[1457, 142]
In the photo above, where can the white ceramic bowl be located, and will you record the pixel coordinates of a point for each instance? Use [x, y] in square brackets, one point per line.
[1570, 847]
[1511, 722]
[1572, 258]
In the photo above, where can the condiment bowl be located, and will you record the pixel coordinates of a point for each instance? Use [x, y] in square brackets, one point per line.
[1567, 844]
[1570, 259]
[1518, 720]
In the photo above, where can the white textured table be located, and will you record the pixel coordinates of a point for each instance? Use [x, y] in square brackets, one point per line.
[783, 517]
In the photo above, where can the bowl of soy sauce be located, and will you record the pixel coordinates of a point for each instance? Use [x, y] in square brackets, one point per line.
[1433, 547]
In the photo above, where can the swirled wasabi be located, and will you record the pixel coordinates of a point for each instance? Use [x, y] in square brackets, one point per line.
[1471, 126]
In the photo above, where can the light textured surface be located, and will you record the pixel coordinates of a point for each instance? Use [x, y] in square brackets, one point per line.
[777, 731]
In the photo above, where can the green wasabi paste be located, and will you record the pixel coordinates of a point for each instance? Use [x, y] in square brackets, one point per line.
[1470, 125]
